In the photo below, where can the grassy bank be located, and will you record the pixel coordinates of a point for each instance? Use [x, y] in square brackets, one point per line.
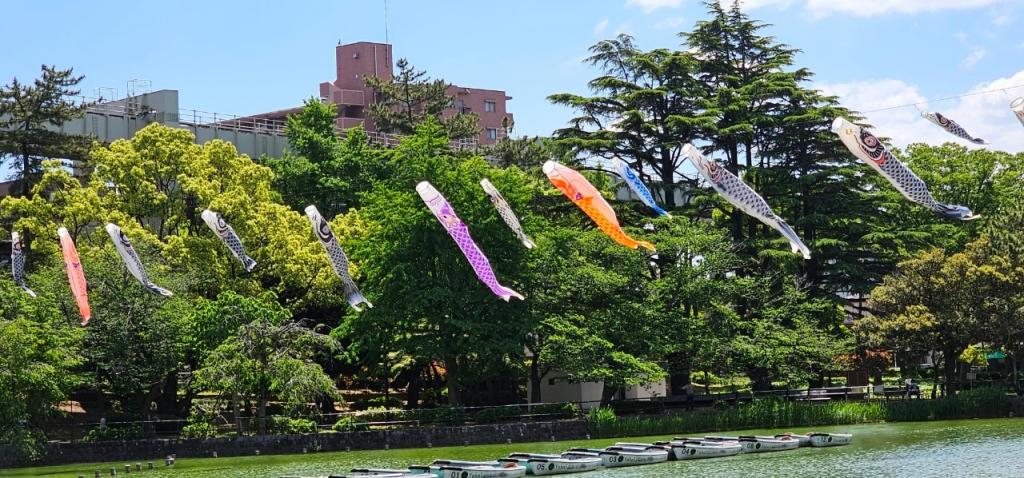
[781, 414]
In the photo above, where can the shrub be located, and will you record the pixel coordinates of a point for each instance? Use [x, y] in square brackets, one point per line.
[290, 426]
[116, 432]
[376, 403]
[349, 423]
[26, 445]
[199, 430]
[600, 420]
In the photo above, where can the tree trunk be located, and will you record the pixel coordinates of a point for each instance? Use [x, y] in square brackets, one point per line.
[26, 189]
[535, 378]
[607, 393]
[949, 363]
[167, 403]
[451, 365]
[237, 412]
[261, 414]
[935, 375]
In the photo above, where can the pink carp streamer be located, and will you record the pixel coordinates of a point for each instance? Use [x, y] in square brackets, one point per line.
[460, 233]
[76, 276]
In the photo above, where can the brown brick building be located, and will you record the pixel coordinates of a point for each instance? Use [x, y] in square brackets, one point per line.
[355, 61]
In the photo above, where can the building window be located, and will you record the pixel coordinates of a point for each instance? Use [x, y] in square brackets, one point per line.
[490, 106]
[492, 133]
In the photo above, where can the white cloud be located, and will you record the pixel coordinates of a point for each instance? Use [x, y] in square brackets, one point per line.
[1001, 19]
[649, 6]
[600, 27]
[985, 115]
[670, 23]
[977, 54]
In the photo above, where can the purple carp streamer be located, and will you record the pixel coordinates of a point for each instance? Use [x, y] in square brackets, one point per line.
[339, 262]
[950, 126]
[506, 213]
[132, 261]
[743, 197]
[633, 181]
[870, 149]
[228, 237]
[460, 233]
[18, 264]
[1017, 106]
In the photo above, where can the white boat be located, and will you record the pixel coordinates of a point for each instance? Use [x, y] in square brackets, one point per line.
[378, 473]
[617, 456]
[753, 444]
[803, 439]
[646, 446]
[541, 465]
[486, 470]
[697, 449]
[830, 439]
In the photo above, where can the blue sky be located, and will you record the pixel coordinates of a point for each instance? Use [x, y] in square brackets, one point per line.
[254, 56]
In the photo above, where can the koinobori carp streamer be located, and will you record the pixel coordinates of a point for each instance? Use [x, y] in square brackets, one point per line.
[337, 257]
[588, 198]
[460, 233]
[1017, 106]
[228, 237]
[76, 276]
[952, 127]
[131, 260]
[638, 187]
[18, 264]
[869, 149]
[743, 197]
[506, 213]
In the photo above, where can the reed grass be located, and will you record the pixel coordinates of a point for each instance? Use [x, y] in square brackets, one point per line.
[779, 413]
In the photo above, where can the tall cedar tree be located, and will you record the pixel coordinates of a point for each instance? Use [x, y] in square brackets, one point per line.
[645, 105]
[410, 97]
[27, 115]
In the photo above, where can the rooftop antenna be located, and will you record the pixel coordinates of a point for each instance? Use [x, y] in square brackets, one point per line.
[386, 21]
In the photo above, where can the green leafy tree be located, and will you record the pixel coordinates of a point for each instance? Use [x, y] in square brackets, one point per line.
[949, 297]
[40, 358]
[28, 116]
[444, 314]
[322, 169]
[268, 356]
[411, 97]
[645, 105]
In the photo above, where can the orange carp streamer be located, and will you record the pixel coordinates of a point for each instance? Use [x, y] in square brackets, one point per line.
[76, 276]
[586, 196]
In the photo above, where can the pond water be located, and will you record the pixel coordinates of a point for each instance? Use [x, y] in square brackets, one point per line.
[975, 448]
